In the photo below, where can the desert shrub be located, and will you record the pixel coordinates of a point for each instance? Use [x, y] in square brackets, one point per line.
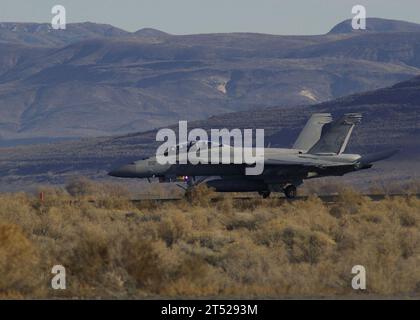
[174, 226]
[19, 209]
[91, 253]
[338, 211]
[113, 196]
[143, 262]
[213, 240]
[81, 186]
[200, 195]
[245, 262]
[147, 204]
[372, 217]
[345, 240]
[225, 204]
[304, 246]
[409, 242]
[230, 248]
[193, 277]
[19, 263]
[238, 220]
[249, 204]
[270, 233]
[350, 201]
[106, 195]
[408, 219]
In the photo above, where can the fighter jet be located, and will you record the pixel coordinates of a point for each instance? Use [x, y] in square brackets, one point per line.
[317, 152]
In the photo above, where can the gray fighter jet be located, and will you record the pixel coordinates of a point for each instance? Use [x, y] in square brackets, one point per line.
[317, 152]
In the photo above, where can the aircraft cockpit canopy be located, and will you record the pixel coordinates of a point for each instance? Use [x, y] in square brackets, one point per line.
[186, 146]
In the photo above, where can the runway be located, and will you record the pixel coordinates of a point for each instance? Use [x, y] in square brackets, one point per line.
[328, 199]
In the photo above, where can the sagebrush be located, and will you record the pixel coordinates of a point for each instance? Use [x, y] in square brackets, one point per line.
[113, 248]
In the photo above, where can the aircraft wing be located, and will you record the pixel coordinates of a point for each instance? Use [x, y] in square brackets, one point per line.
[305, 162]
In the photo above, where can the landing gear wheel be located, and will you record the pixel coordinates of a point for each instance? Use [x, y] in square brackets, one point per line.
[265, 194]
[290, 191]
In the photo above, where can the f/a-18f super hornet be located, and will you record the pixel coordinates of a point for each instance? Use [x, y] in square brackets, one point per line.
[317, 152]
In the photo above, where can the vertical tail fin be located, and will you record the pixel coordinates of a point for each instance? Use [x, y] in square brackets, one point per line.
[336, 135]
[311, 133]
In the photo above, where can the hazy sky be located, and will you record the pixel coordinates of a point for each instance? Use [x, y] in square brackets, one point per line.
[199, 16]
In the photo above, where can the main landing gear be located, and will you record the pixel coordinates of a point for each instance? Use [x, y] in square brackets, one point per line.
[264, 194]
[290, 191]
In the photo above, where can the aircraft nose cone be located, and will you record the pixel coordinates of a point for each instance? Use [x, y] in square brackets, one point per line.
[128, 170]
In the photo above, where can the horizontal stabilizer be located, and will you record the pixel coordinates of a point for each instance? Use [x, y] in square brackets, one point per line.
[377, 156]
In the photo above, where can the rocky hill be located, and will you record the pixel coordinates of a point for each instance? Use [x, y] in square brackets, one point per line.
[377, 25]
[96, 80]
[390, 120]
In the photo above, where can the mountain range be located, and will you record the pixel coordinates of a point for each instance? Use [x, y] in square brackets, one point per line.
[391, 119]
[108, 91]
[97, 80]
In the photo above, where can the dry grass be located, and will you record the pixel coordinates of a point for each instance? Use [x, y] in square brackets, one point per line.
[112, 248]
[376, 185]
